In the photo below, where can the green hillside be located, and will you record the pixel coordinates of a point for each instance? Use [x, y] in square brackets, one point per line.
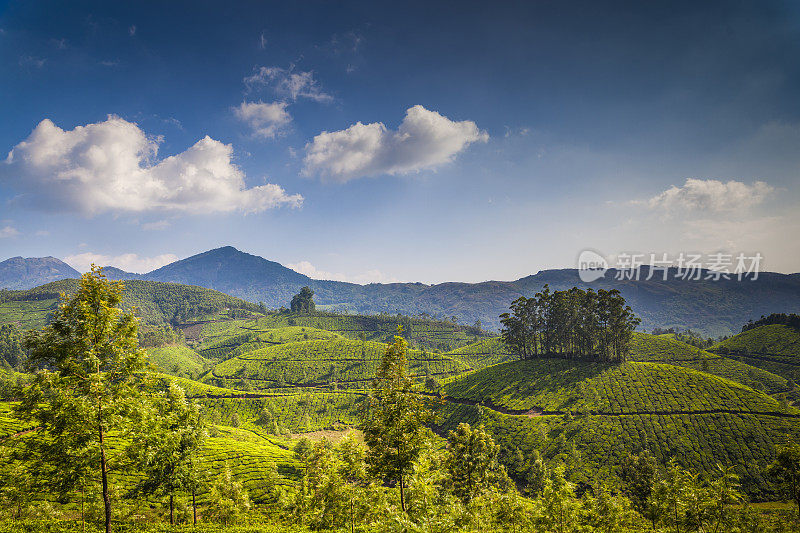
[485, 352]
[774, 341]
[667, 349]
[420, 333]
[774, 348]
[156, 303]
[346, 362]
[177, 359]
[557, 386]
[594, 415]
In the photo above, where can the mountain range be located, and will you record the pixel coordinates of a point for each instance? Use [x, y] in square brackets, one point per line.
[709, 307]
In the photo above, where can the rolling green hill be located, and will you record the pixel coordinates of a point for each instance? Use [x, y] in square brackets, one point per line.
[591, 415]
[773, 348]
[559, 385]
[667, 349]
[431, 335]
[156, 303]
[177, 359]
[774, 341]
[345, 362]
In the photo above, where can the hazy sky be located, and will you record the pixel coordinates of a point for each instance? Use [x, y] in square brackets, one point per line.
[417, 141]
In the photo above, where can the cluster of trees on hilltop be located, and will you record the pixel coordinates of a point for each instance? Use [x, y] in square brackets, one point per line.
[792, 320]
[575, 323]
[303, 302]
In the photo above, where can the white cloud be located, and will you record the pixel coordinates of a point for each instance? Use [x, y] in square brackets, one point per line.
[112, 166]
[155, 226]
[266, 120]
[127, 262]
[370, 276]
[32, 61]
[288, 84]
[132, 30]
[8, 231]
[711, 195]
[425, 139]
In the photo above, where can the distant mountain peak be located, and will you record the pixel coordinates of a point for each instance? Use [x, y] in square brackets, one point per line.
[28, 272]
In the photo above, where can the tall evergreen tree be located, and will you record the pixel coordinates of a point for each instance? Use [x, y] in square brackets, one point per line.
[394, 423]
[90, 385]
[303, 302]
[471, 458]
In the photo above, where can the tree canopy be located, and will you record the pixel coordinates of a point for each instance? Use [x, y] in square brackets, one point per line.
[303, 302]
[573, 323]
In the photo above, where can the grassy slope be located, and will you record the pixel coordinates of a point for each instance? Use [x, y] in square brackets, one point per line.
[666, 349]
[774, 348]
[176, 359]
[773, 340]
[676, 412]
[634, 387]
[155, 302]
[422, 334]
[319, 362]
[27, 314]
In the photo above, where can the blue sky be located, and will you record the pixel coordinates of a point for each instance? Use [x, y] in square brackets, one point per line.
[406, 141]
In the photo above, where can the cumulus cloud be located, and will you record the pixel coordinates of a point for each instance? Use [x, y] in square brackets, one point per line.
[8, 231]
[265, 120]
[425, 139]
[711, 195]
[288, 84]
[112, 166]
[370, 276]
[127, 262]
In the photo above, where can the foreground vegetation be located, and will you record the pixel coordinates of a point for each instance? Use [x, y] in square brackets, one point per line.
[472, 439]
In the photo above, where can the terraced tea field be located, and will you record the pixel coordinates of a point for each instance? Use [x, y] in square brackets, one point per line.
[341, 361]
[554, 385]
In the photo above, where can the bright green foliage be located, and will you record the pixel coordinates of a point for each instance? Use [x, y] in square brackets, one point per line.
[178, 360]
[165, 445]
[786, 472]
[775, 340]
[394, 424]
[155, 302]
[557, 509]
[302, 452]
[320, 362]
[11, 353]
[682, 501]
[229, 501]
[334, 491]
[637, 473]
[471, 460]
[91, 347]
[554, 385]
[606, 513]
[429, 505]
[698, 441]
